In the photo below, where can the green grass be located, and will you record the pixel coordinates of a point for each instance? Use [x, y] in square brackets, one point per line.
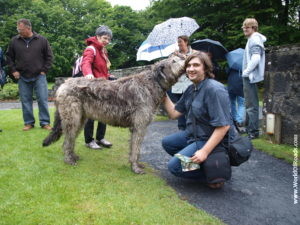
[50, 85]
[37, 187]
[281, 151]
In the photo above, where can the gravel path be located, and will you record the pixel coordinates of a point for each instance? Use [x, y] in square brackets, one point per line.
[17, 105]
[259, 193]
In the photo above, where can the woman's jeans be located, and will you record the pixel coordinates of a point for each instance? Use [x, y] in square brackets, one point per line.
[89, 130]
[237, 108]
[252, 106]
[40, 88]
[177, 143]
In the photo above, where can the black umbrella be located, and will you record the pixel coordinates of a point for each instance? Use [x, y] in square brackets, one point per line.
[217, 50]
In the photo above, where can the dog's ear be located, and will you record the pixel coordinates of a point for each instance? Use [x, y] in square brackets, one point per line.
[160, 73]
[82, 87]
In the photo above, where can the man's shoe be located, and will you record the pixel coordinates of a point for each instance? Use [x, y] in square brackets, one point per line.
[104, 143]
[253, 136]
[240, 124]
[28, 127]
[47, 127]
[93, 145]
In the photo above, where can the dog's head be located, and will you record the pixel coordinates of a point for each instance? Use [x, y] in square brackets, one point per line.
[167, 71]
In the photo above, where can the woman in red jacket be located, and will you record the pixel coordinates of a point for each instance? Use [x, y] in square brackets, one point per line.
[95, 64]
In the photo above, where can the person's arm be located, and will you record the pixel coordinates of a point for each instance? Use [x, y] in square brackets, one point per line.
[255, 52]
[170, 108]
[216, 137]
[10, 60]
[87, 61]
[255, 58]
[217, 104]
[48, 56]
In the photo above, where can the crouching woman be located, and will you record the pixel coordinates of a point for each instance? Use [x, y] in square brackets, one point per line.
[205, 140]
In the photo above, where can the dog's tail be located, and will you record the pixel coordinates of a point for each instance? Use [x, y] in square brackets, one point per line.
[56, 131]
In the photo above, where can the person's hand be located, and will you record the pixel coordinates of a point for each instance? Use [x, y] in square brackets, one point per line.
[199, 156]
[251, 76]
[245, 73]
[112, 77]
[180, 55]
[89, 76]
[16, 75]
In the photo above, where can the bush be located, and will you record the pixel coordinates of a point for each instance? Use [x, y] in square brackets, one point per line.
[9, 91]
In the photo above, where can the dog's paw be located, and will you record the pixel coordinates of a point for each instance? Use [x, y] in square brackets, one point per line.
[142, 166]
[75, 157]
[70, 161]
[137, 169]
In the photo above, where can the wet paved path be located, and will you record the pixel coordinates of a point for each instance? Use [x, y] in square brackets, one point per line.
[17, 105]
[259, 193]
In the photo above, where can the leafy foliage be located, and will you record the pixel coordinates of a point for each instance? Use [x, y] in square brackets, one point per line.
[222, 19]
[67, 23]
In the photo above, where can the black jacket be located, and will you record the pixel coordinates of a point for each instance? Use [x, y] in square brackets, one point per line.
[29, 59]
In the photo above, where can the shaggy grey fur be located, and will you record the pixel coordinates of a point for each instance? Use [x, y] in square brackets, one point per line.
[127, 102]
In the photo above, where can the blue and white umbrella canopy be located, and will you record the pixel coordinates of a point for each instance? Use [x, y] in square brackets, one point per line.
[147, 52]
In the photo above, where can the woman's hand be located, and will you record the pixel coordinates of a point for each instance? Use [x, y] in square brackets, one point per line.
[199, 157]
[89, 76]
[16, 75]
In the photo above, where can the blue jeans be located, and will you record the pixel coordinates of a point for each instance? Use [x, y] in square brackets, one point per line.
[252, 106]
[177, 143]
[182, 119]
[237, 107]
[40, 88]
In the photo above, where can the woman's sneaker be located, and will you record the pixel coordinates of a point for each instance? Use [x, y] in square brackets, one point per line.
[104, 143]
[93, 145]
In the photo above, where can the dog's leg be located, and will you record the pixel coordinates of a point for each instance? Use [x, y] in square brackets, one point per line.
[137, 136]
[74, 155]
[72, 123]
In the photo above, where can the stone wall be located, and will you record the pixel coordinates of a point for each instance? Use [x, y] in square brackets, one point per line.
[118, 73]
[282, 88]
[128, 71]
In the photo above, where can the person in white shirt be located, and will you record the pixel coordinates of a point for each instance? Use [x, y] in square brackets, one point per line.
[253, 72]
[183, 82]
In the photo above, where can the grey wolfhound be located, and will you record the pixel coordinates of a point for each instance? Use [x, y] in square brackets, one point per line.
[127, 102]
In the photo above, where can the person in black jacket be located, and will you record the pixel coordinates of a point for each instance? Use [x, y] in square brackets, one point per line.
[29, 58]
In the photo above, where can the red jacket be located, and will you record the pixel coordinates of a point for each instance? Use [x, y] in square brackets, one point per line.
[92, 64]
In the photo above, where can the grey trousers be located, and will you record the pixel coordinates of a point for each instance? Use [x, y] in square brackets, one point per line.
[252, 106]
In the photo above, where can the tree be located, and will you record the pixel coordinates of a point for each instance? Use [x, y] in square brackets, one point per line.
[67, 23]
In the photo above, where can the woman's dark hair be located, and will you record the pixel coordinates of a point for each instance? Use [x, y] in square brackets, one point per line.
[205, 60]
[184, 38]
